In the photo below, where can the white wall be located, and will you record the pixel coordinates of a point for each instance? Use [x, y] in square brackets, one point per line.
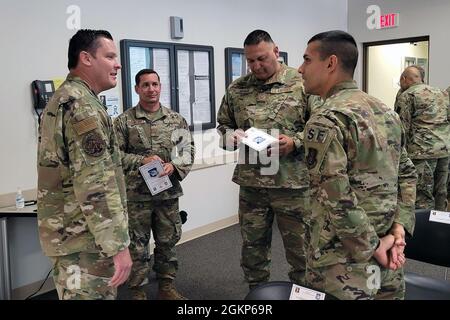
[417, 18]
[386, 64]
[203, 207]
[34, 46]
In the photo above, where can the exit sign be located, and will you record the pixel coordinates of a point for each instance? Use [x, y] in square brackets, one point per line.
[389, 20]
[376, 20]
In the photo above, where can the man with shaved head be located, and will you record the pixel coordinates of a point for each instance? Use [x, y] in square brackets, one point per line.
[424, 113]
[400, 91]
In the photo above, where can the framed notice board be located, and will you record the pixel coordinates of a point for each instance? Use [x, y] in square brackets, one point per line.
[186, 73]
[236, 64]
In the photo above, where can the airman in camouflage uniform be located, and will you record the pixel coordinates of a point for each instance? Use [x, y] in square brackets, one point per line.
[146, 132]
[270, 97]
[362, 182]
[424, 113]
[400, 90]
[82, 216]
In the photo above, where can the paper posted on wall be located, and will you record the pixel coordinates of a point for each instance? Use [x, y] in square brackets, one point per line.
[258, 139]
[150, 172]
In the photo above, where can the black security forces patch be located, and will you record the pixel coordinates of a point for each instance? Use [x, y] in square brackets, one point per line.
[317, 134]
[311, 159]
[93, 144]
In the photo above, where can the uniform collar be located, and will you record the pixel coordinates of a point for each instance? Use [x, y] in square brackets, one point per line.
[414, 86]
[344, 85]
[72, 78]
[143, 114]
[277, 77]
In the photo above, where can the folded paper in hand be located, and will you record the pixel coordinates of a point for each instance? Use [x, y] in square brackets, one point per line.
[151, 172]
[258, 139]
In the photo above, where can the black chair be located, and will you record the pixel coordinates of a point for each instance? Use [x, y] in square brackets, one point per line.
[275, 290]
[429, 244]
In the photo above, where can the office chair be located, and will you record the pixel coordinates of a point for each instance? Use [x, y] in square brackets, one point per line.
[275, 290]
[429, 244]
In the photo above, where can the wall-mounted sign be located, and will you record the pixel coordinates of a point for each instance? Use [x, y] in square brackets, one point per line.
[376, 20]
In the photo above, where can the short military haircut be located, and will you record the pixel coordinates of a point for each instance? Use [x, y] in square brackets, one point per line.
[137, 78]
[85, 40]
[257, 36]
[421, 71]
[341, 44]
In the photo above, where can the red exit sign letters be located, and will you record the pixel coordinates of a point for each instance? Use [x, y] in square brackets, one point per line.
[376, 20]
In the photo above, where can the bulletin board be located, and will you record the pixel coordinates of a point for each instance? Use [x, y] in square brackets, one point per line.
[236, 64]
[186, 73]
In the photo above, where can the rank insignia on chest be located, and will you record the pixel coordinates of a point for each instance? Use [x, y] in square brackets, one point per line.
[311, 159]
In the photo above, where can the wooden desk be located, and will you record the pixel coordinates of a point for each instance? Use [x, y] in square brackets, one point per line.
[5, 268]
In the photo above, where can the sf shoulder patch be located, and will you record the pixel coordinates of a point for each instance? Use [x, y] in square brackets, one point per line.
[317, 141]
[93, 144]
[317, 134]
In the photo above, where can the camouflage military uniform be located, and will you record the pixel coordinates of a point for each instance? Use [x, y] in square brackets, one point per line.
[361, 183]
[397, 96]
[448, 177]
[277, 103]
[424, 114]
[314, 104]
[166, 134]
[82, 213]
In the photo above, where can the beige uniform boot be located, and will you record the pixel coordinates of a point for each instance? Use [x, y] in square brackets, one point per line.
[167, 291]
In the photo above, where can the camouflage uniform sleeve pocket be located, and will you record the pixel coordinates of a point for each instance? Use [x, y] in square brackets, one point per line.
[317, 140]
[86, 139]
[89, 143]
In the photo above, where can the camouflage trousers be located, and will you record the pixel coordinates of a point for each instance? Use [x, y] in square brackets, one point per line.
[257, 209]
[358, 281]
[432, 175]
[163, 219]
[83, 276]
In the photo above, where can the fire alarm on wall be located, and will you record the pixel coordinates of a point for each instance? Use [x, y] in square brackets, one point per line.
[176, 28]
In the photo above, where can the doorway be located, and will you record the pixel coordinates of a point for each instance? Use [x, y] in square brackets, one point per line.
[384, 62]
